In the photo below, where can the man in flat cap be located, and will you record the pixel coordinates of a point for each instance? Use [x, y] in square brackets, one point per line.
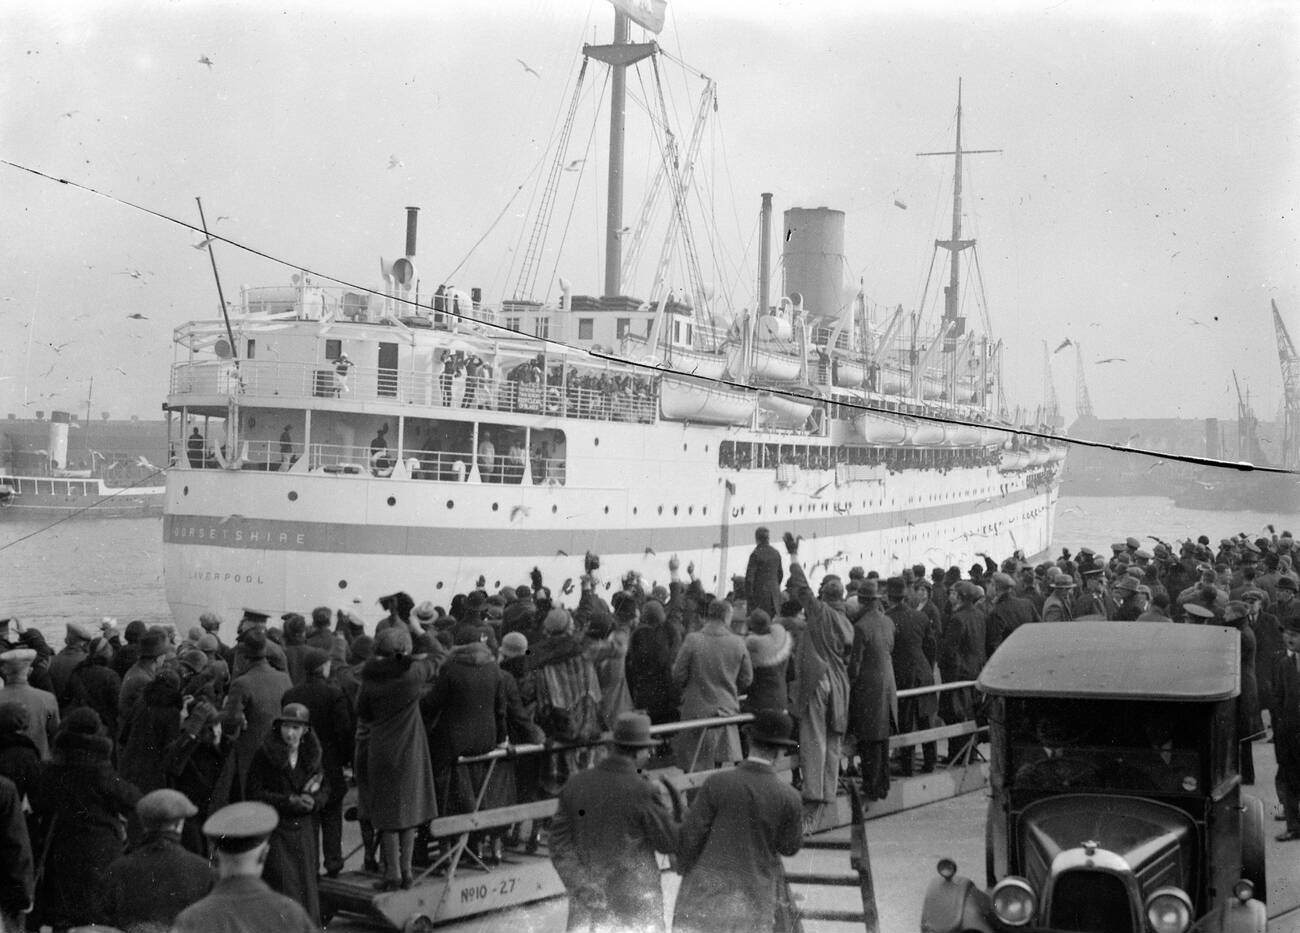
[42, 709]
[159, 878]
[253, 703]
[76, 645]
[241, 902]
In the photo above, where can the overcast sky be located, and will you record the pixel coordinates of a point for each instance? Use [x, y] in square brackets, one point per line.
[1144, 204]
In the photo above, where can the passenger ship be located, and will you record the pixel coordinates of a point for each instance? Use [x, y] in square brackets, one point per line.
[331, 449]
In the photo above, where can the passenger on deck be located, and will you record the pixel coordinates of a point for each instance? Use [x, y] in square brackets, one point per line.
[342, 366]
[487, 459]
[194, 445]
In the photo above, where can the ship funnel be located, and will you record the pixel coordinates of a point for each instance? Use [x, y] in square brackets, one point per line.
[58, 439]
[813, 259]
[412, 218]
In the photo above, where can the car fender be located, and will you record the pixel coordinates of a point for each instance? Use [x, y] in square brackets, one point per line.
[1235, 916]
[953, 905]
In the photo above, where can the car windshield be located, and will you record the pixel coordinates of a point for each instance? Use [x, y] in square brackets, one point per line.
[1098, 744]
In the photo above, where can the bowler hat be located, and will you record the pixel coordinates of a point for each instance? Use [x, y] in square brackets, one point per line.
[772, 727]
[633, 731]
[164, 806]
[294, 713]
[194, 659]
[868, 590]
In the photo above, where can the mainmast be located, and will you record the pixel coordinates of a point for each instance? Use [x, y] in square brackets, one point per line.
[955, 244]
[617, 55]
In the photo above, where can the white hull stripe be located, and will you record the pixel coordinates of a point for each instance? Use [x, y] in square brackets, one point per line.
[448, 541]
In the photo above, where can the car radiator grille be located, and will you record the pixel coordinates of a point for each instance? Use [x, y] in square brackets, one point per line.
[1091, 902]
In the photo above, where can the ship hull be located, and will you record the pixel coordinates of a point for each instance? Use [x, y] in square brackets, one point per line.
[26, 498]
[345, 541]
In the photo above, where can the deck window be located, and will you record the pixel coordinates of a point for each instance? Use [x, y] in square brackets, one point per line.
[586, 328]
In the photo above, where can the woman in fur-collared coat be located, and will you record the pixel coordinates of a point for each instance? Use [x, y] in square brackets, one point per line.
[287, 773]
[80, 803]
[769, 646]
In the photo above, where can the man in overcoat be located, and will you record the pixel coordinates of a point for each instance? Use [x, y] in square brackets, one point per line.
[763, 575]
[159, 878]
[916, 645]
[729, 851]
[1286, 728]
[821, 699]
[253, 703]
[873, 698]
[609, 823]
[711, 671]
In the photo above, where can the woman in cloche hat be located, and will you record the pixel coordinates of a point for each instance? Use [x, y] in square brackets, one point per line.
[287, 774]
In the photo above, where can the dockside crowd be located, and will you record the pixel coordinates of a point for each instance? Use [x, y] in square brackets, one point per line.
[119, 751]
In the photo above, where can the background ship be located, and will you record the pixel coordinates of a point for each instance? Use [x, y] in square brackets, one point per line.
[61, 467]
[339, 444]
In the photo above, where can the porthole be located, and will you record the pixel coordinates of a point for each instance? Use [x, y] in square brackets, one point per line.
[293, 496]
[343, 584]
[554, 509]
[495, 506]
[595, 442]
[451, 503]
[674, 510]
[392, 500]
[690, 510]
[634, 510]
[683, 447]
[438, 585]
[185, 490]
[661, 510]
[497, 585]
[704, 510]
[606, 510]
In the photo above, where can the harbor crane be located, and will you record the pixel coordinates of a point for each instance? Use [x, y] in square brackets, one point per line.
[1082, 400]
[1290, 391]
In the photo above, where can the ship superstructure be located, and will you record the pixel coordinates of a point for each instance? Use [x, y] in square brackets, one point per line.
[334, 445]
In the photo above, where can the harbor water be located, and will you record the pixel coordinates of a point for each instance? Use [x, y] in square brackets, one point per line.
[85, 570]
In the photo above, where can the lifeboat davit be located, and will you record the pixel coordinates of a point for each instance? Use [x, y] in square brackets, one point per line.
[680, 400]
[849, 373]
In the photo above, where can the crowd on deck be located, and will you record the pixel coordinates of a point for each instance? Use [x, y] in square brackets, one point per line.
[116, 748]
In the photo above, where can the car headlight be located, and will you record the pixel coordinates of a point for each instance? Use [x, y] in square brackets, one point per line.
[1169, 910]
[1013, 901]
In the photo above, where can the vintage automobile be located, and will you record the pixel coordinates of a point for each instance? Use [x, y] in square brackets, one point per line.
[1116, 804]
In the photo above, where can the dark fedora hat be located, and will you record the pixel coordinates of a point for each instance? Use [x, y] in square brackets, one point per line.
[772, 727]
[633, 731]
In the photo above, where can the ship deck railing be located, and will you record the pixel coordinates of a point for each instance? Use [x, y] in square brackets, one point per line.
[450, 466]
[966, 735]
[285, 381]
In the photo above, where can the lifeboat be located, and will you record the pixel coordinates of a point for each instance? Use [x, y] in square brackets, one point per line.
[697, 363]
[680, 400]
[991, 436]
[1039, 456]
[878, 428]
[928, 434]
[848, 372]
[783, 409]
[767, 365]
[1015, 459]
[1056, 453]
[894, 382]
[963, 435]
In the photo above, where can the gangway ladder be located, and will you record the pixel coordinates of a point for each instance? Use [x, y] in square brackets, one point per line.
[859, 863]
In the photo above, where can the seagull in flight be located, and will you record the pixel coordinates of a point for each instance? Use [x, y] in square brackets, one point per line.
[134, 273]
[204, 243]
[1064, 343]
[59, 347]
[395, 162]
[573, 166]
[223, 217]
[69, 113]
[137, 316]
[528, 68]
[204, 60]
[1112, 359]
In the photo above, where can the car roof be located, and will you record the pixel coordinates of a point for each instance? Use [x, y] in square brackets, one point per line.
[1117, 660]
